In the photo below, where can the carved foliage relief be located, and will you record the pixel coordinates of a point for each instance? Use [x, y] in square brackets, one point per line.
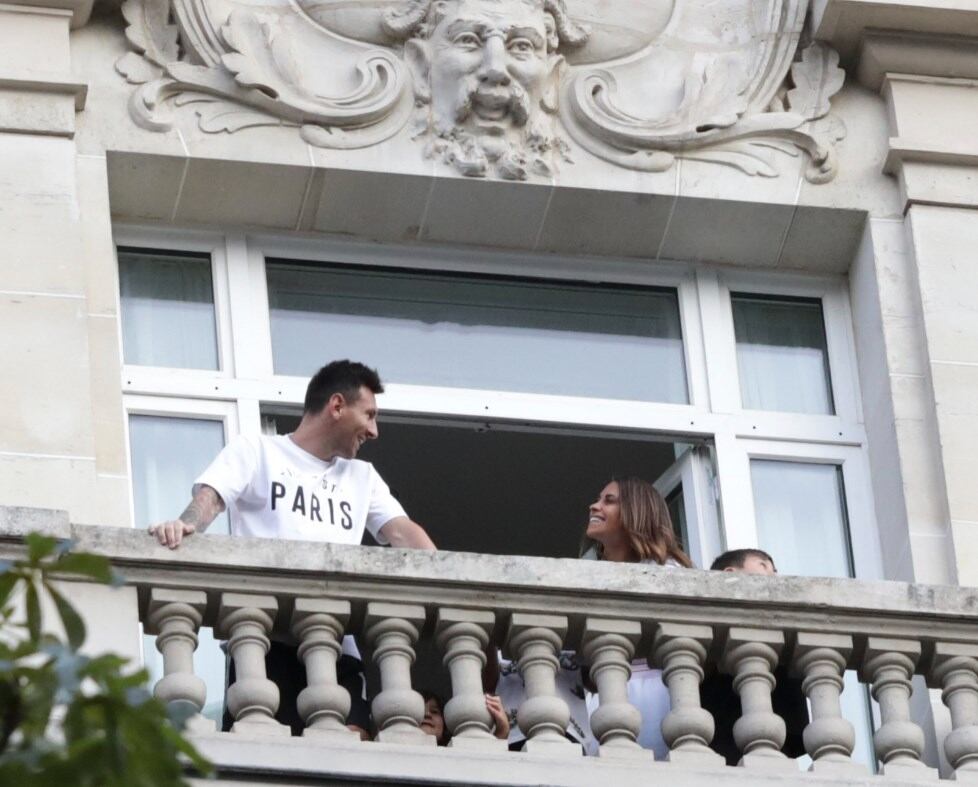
[499, 88]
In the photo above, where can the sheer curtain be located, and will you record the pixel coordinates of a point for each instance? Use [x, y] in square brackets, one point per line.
[167, 310]
[781, 354]
[167, 455]
[801, 521]
[479, 331]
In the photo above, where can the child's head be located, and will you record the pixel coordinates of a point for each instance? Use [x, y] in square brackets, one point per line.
[750, 561]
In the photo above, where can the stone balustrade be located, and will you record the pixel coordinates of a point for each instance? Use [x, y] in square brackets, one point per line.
[687, 623]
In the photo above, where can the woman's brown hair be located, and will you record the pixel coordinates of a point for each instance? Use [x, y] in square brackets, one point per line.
[645, 517]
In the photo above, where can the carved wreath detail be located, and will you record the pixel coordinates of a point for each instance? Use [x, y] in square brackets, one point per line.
[497, 88]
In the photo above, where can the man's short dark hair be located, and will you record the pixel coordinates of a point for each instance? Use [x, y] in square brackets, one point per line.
[342, 377]
[735, 558]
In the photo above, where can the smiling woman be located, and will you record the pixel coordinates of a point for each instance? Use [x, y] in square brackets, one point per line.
[629, 523]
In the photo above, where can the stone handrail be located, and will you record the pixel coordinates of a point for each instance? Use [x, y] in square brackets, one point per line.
[683, 621]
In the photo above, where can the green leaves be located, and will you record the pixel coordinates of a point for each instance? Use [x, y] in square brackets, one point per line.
[114, 733]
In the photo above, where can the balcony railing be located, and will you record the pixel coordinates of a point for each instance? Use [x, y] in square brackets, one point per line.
[684, 621]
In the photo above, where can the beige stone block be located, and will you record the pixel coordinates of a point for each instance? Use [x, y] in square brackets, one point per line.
[38, 37]
[859, 183]
[935, 183]
[37, 180]
[257, 144]
[945, 242]
[957, 417]
[940, 112]
[723, 231]
[822, 239]
[921, 470]
[485, 213]
[48, 482]
[933, 559]
[108, 415]
[45, 397]
[110, 504]
[966, 552]
[242, 193]
[97, 255]
[41, 256]
[372, 205]
[710, 180]
[129, 175]
[27, 110]
[617, 223]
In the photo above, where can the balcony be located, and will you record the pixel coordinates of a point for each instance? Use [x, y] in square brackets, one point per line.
[395, 600]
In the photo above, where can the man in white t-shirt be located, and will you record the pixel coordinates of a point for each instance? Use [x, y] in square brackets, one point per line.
[305, 486]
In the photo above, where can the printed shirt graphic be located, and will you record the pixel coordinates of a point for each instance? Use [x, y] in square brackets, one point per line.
[274, 489]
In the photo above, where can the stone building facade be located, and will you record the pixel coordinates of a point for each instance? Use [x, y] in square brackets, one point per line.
[728, 245]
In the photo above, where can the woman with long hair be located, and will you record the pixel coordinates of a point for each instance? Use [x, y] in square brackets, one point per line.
[630, 523]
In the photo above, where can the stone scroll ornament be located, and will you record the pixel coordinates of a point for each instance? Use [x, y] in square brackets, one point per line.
[497, 88]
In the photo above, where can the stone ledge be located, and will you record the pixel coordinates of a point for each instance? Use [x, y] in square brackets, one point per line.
[515, 582]
[293, 760]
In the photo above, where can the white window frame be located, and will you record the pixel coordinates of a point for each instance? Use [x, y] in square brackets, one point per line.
[246, 383]
[201, 243]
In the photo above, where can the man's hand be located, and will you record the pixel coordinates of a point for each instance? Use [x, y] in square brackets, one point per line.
[171, 533]
[403, 532]
[201, 511]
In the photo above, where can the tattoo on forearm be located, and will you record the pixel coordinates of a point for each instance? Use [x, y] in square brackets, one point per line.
[193, 514]
[202, 510]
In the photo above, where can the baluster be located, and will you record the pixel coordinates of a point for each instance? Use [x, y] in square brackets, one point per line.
[245, 620]
[954, 669]
[543, 716]
[318, 624]
[398, 710]
[751, 655]
[608, 648]
[175, 617]
[679, 650]
[829, 739]
[888, 665]
[463, 634]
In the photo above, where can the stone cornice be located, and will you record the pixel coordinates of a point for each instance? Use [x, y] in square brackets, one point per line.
[80, 10]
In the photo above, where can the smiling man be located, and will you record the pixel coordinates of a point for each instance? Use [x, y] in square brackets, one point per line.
[307, 485]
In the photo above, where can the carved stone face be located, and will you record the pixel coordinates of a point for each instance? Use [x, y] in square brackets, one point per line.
[489, 63]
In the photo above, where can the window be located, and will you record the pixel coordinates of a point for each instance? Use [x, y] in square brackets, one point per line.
[167, 306]
[782, 357]
[801, 516]
[716, 378]
[166, 454]
[480, 331]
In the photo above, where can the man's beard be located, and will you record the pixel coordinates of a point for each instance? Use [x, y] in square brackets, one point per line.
[512, 154]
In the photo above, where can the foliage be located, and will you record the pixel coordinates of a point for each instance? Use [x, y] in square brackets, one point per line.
[68, 719]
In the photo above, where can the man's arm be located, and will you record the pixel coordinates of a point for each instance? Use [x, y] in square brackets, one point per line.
[403, 532]
[198, 514]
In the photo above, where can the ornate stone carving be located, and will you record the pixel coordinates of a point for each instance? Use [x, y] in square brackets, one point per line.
[493, 85]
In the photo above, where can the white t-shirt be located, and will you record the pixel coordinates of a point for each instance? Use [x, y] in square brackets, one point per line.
[275, 489]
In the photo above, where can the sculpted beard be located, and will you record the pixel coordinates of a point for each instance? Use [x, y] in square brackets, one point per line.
[511, 156]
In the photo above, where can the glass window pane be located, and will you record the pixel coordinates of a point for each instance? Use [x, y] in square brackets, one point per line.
[479, 331]
[801, 517]
[167, 455]
[781, 354]
[167, 310]
[801, 521]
